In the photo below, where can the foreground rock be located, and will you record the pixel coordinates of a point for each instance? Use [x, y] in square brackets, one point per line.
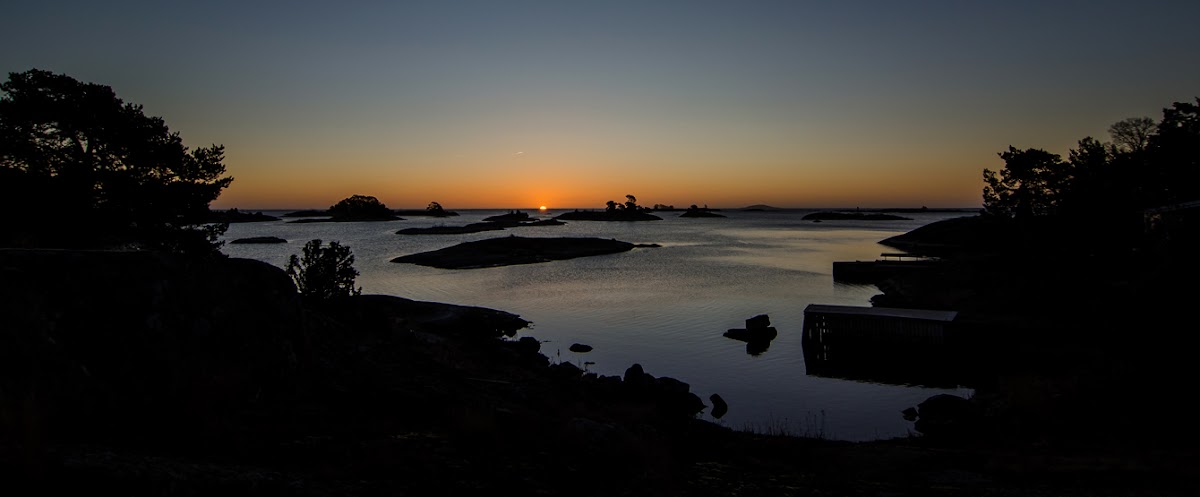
[514, 250]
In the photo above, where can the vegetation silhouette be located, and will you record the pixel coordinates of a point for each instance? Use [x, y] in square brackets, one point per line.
[100, 172]
[1074, 280]
[1102, 191]
[361, 208]
[322, 274]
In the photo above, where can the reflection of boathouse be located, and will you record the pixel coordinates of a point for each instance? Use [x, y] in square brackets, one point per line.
[831, 323]
[884, 345]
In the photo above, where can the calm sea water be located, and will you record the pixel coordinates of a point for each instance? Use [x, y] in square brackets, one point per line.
[665, 308]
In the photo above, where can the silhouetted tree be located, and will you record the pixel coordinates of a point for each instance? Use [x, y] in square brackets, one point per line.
[610, 206]
[324, 273]
[631, 203]
[360, 207]
[1174, 154]
[83, 167]
[1029, 185]
[1132, 135]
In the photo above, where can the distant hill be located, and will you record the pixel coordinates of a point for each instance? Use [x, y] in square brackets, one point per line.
[760, 207]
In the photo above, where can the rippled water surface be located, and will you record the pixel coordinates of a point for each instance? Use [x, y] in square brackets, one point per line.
[665, 308]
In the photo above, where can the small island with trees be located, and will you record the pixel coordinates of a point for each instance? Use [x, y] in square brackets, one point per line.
[356, 208]
[628, 211]
[434, 209]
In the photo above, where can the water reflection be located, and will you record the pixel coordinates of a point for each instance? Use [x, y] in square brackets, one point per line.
[880, 345]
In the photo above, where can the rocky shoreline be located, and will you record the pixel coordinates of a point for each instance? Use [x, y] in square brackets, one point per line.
[146, 374]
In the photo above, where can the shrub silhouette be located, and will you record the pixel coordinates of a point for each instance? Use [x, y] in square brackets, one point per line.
[324, 273]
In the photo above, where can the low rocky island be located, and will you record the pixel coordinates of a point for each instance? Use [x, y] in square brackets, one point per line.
[853, 216]
[628, 211]
[452, 230]
[434, 209]
[515, 250]
[309, 213]
[259, 240]
[476, 227]
[510, 216]
[237, 216]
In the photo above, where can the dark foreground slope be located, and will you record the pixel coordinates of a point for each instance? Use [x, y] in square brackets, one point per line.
[136, 374]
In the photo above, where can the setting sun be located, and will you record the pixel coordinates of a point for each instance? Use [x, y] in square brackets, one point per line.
[542, 208]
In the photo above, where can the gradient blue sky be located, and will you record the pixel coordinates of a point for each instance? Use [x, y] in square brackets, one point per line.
[568, 104]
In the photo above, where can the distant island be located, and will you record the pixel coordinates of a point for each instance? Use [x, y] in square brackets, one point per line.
[236, 216]
[476, 227]
[514, 216]
[434, 209]
[694, 211]
[309, 213]
[514, 250]
[760, 208]
[855, 216]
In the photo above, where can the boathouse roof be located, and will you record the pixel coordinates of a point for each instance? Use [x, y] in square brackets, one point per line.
[890, 312]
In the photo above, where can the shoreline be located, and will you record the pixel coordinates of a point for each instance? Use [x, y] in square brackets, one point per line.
[388, 395]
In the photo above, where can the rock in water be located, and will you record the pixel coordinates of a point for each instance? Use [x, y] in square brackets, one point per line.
[719, 407]
[579, 347]
[758, 322]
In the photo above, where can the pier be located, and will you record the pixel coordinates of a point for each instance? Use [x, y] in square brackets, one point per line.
[889, 264]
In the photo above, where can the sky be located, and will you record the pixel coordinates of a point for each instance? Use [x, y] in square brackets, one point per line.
[568, 104]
